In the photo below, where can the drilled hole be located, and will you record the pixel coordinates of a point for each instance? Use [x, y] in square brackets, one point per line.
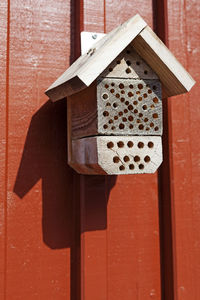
[126, 158]
[122, 168]
[146, 119]
[147, 159]
[131, 167]
[117, 95]
[106, 86]
[152, 106]
[121, 126]
[105, 126]
[105, 96]
[121, 86]
[122, 92]
[106, 113]
[135, 111]
[149, 91]
[122, 99]
[131, 126]
[130, 94]
[147, 128]
[137, 63]
[126, 110]
[145, 72]
[140, 86]
[130, 107]
[144, 107]
[138, 92]
[155, 100]
[151, 124]
[112, 91]
[120, 144]
[113, 127]
[127, 103]
[140, 98]
[116, 159]
[128, 70]
[140, 145]
[110, 121]
[128, 62]
[108, 104]
[131, 86]
[124, 119]
[120, 113]
[130, 118]
[115, 105]
[115, 117]
[110, 69]
[138, 121]
[141, 166]
[110, 145]
[136, 158]
[156, 128]
[141, 126]
[118, 62]
[135, 102]
[145, 95]
[112, 84]
[140, 115]
[150, 144]
[130, 144]
[155, 116]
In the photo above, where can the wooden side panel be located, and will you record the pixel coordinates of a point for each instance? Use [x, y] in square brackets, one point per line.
[3, 139]
[185, 148]
[38, 191]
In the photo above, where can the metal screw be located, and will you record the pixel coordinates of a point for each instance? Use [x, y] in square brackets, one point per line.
[94, 36]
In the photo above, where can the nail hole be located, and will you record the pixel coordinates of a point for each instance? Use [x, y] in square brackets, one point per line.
[120, 144]
[126, 158]
[136, 158]
[150, 144]
[130, 144]
[116, 159]
[122, 168]
[147, 159]
[110, 145]
[106, 113]
[140, 145]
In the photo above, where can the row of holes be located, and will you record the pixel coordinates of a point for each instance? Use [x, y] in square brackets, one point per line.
[130, 107]
[131, 126]
[131, 167]
[126, 158]
[130, 144]
[135, 102]
[140, 86]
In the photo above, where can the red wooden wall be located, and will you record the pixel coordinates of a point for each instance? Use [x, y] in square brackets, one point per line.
[66, 236]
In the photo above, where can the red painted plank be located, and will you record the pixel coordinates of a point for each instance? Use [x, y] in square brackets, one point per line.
[119, 216]
[3, 139]
[185, 149]
[39, 208]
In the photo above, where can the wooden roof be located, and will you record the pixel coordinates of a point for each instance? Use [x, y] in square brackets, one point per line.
[175, 79]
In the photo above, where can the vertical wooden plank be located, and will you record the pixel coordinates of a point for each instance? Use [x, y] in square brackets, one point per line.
[39, 181]
[119, 215]
[185, 149]
[4, 14]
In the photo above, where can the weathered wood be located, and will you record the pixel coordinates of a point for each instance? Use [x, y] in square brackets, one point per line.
[116, 155]
[175, 79]
[90, 65]
[128, 64]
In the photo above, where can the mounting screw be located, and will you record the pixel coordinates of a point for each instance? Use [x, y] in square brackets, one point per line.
[94, 36]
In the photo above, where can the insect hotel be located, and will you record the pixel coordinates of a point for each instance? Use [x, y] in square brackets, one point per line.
[114, 101]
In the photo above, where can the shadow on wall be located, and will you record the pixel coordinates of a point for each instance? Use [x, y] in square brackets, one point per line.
[45, 156]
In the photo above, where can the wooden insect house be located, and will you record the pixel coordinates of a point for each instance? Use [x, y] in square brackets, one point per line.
[114, 99]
